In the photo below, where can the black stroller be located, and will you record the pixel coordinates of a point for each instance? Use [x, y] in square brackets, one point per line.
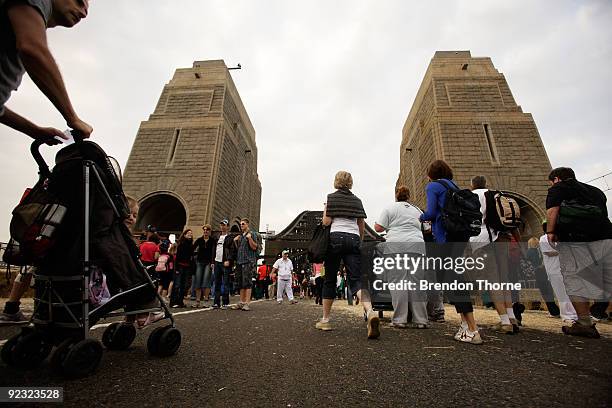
[89, 240]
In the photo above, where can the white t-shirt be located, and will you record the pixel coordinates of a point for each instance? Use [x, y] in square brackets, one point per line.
[401, 221]
[550, 257]
[348, 225]
[219, 251]
[284, 268]
[483, 238]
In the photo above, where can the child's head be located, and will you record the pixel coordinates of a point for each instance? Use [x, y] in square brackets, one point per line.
[131, 218]
[533, 242]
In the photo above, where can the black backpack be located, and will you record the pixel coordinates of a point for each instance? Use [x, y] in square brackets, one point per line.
[584, 218]
[580, 222]
[461, 216]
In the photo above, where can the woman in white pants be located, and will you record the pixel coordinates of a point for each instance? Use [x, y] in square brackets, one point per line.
[404, 236]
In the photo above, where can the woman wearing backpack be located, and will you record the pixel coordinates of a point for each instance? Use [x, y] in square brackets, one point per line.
[441, 179]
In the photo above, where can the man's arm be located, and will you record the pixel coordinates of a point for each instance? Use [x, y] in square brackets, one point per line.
[31, 42]
[551, 224]
[21, 124]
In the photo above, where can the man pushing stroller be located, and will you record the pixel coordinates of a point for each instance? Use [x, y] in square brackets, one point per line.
[23, 48]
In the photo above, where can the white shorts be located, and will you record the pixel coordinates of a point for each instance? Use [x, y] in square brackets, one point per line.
[587, 269]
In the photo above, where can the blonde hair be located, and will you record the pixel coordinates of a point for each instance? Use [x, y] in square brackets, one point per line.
[343, 179]
[131, 202]
[533, 242]
[207, 226]
[172, 249]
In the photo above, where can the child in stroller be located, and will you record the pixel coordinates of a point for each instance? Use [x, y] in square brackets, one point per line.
[87, 237]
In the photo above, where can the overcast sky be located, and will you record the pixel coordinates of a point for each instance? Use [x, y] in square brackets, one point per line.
[327, 84]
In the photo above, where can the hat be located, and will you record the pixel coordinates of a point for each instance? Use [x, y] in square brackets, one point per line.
[285, 251]
[224, 222]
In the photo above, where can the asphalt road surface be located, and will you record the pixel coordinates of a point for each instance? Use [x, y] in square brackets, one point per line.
[273, 356]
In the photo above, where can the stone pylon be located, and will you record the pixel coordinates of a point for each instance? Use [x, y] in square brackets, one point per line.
[194, 161]
[464, 113]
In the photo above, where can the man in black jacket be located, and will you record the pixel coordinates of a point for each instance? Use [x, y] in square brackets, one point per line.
[577, 219]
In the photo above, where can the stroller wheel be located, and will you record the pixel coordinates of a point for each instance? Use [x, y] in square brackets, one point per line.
[119, 336]
[56, 361]
[29, 350]
[82, 358]
[164, 341]
[169, 342]
[153, 341]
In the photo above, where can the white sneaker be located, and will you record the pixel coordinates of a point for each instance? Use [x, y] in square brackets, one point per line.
[459, 333]
[468, 337]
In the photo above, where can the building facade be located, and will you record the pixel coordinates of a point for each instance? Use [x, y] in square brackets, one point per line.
[464, 113]
[194, 161]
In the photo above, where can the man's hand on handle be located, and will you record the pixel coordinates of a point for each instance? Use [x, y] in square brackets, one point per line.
[48, 135]
[82, 128]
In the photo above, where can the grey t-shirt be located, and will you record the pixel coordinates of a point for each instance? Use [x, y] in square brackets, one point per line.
[11, 68]
[401, 221]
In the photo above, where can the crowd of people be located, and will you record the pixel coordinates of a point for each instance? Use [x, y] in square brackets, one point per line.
[571, 261]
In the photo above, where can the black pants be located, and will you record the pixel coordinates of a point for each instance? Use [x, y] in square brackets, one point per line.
[318, 290]
[222, 284]
[343, 247]
[459, 298]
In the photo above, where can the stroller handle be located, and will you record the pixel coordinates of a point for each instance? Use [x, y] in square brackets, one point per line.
[43, 168]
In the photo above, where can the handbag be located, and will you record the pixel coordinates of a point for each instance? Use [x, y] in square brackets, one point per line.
[317, 248]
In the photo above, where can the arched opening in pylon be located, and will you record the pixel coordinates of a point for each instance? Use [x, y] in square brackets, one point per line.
[163, 211]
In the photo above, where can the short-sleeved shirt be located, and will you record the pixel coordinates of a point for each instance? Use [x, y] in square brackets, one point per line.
[401, 221]
[262, 271]
[148, 250]
[245, 252]
[284, 268]
[11, 67]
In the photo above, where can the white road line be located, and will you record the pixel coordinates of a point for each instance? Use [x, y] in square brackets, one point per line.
[102, 325]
